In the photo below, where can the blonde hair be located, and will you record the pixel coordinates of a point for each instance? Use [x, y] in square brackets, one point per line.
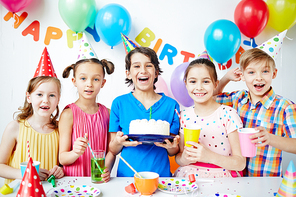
[255, 55]
[27, 110]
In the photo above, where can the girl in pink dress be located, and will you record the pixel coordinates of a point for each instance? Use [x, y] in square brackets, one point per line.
[87, 118]
[218, 151]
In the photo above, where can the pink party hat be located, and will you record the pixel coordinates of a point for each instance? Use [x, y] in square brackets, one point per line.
[85, 50]
[273, 46]
[288, 185]
[45, 67]
[128, 44]
[204, 55]
[31, 184]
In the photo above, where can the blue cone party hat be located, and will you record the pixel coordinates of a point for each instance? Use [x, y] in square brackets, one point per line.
[273, 46]
[128, 44]
[85, 49]
[288, 185]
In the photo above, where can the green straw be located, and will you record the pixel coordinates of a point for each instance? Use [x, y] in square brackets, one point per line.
[95, 159]
[150, 113]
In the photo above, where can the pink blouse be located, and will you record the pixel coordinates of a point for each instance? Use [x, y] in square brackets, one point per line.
[96, 126]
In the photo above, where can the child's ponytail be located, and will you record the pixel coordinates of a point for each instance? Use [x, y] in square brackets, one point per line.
[109, 66]
[67, 70]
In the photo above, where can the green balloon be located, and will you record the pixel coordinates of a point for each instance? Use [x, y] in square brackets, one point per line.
[78, 14]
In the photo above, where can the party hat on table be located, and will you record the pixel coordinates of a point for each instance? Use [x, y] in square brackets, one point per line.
[273, 46]
[204, 55]
[45, 67]
[128, 44]
[31, 184]
[85, 50]
[288, 185]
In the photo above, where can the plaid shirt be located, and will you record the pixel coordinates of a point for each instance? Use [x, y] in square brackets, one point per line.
[273, 112]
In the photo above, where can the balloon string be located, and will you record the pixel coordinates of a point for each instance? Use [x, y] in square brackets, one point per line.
[288, 38]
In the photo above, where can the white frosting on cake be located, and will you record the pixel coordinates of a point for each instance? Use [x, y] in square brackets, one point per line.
[144, 126]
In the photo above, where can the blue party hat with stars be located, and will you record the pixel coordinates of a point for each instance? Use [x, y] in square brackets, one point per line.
[85, 49]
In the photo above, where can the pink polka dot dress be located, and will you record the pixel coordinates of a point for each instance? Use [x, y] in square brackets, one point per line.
[214, 134]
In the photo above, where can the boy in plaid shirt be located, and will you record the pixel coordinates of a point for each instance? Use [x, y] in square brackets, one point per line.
[260, 108]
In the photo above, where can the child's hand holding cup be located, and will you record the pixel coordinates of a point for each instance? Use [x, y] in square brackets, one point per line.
[191, 133]
[248, 148]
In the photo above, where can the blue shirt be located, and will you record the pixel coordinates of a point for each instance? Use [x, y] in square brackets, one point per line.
[143, 157]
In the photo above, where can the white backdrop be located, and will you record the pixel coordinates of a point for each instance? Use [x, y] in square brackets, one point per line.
[181, 24]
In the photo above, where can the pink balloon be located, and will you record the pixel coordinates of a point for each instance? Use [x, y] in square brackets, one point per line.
[15, 5]
[161, 86]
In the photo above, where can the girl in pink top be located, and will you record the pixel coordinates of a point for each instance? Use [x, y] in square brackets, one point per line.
[87, 118]
[218, 151]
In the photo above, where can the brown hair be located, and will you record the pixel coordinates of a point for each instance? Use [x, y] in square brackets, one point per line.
[148, 53]
[255, 55]
[209, 65]
[107, 65]
[27, 110]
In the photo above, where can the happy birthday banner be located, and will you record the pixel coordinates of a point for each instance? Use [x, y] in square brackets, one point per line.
[144, 38]
[222, 38]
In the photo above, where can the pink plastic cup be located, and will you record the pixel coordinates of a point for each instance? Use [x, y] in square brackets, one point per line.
[248, 149]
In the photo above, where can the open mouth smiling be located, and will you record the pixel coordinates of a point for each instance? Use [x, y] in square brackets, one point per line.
[143, 79]
[199, 94]
[44, 107]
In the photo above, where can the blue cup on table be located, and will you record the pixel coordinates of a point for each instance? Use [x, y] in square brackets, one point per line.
[24, 166]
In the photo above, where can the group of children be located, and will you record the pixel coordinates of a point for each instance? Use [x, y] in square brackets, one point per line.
[62, 146]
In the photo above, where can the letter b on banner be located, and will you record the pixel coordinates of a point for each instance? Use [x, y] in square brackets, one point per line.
[145, 37]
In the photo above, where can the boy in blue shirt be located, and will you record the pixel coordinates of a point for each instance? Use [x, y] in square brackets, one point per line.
[142, 70]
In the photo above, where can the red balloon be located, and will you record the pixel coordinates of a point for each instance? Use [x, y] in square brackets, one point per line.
[251, 17]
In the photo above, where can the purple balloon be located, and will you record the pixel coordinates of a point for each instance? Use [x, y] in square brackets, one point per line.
[178, 86]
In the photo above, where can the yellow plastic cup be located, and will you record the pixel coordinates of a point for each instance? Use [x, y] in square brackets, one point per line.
[191, 133]
[5, 189]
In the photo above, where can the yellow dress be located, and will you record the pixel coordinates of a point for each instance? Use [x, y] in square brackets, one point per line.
[44, 147]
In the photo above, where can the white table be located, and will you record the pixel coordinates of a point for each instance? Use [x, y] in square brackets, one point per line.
[245, 187]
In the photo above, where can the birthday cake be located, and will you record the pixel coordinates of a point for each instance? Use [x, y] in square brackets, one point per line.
[144, 126]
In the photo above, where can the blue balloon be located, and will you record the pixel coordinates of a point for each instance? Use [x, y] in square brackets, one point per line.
[111, 20]
[222, 40]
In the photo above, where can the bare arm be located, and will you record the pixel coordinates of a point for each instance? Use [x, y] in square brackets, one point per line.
[118, 140]
[231, 75]
[234, 162]
[8, 143]
[199, 153]
[283, 143]
[180, 157]
[66, 155]
[263, 137]
[172, 147]
[110, 158]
